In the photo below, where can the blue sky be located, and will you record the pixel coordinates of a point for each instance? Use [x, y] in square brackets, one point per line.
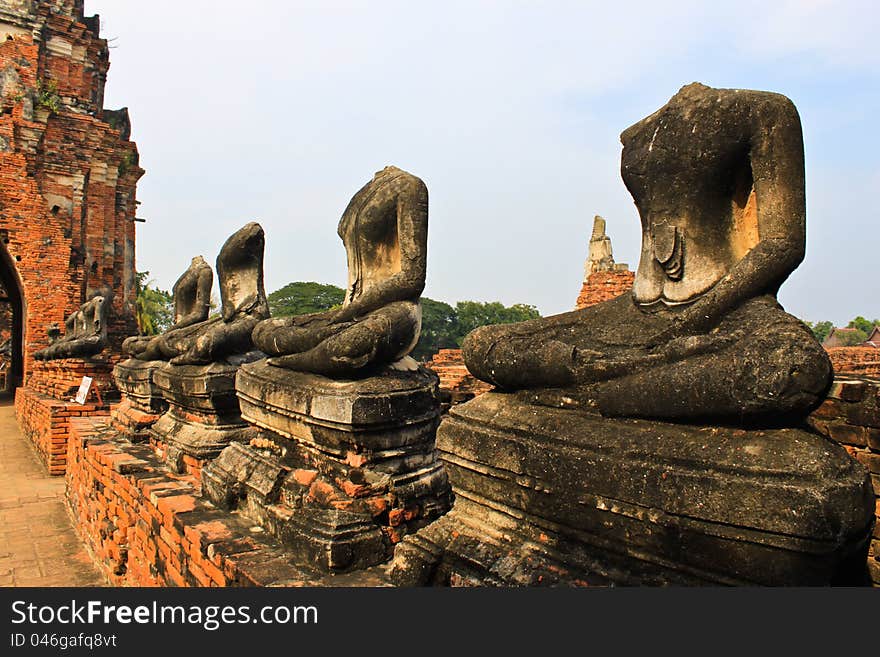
[278, 111]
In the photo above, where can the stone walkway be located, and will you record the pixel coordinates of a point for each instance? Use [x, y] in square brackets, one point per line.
[38, 546]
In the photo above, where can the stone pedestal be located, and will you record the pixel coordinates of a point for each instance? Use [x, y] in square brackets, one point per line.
[142, 402]
[203, 414]
[342, 470]
[553, 496]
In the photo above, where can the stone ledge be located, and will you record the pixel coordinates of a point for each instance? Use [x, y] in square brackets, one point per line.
[665, 503]
[134, 378]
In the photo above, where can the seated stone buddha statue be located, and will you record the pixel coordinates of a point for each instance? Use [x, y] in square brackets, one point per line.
[385, 233]
[717, 176]
[192, 301]
[243, 305]
[85, 329]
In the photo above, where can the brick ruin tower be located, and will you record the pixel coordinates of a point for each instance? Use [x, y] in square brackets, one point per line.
[68, 176]
[604, 279]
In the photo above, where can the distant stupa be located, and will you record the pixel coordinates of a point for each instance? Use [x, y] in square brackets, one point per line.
[604, 279]
[601, 257]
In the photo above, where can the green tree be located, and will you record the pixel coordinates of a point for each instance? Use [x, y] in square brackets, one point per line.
[852, 338]
[473, 314]
[439, 329]
[820, 329]
[443, 326]
[300, 297]
[154, 308]
[864, 325]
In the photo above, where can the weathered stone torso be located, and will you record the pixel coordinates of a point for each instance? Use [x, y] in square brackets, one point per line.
[688, 172]
[192, 293]
[368, 229]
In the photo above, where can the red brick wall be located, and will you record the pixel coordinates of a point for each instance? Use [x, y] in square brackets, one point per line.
[67, 179]
[61, 378]
[851, 416]
[603, 286]
[45, 422]
[147, 527]
[864, 361]
[456, 381]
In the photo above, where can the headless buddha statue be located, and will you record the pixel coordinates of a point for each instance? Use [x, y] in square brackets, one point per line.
[192, 302]
[717, 176]
[385, 233]
[85, 330]
[243, 305]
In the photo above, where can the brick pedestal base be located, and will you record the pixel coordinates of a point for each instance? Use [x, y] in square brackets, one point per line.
[61, 378]
[342, 470]
[146, 526]
[203, 414]
[851, 416]
[45, 421]
[132, 422]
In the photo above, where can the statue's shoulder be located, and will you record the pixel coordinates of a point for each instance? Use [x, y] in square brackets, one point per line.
[755, 104]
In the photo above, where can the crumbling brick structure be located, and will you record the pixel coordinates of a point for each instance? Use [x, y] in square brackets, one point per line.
[457, 385]
[851, 416]
[603, 286]
[864, 361]
[68, 175]
[604, 279]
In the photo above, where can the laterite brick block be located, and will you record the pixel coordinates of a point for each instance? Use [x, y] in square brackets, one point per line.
[851, 416]
[146, 526]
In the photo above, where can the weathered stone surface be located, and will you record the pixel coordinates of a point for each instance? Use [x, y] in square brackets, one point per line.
[718, 179]
[385, 233]
[243, 304]
[192, 302]
[849, 416]
[198, 382]
[335, 540]
[134, 379]
[199, 388]
[551, 490]
[601, 255]
[397, 409]
[345, 466]
[85, 330]
[343, 469]
[633, 501]
[203, 414]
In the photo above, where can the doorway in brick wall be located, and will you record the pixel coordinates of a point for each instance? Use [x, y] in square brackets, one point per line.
[11, 324]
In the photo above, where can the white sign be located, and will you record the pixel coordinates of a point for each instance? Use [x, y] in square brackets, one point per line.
[83, 391]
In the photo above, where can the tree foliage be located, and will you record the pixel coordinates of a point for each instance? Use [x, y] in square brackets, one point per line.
[443, 326]
[439, 329]
[300, 298]
[820, 329]
[850, 338]
[154, 308]
[863, 325]
[473, 314]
